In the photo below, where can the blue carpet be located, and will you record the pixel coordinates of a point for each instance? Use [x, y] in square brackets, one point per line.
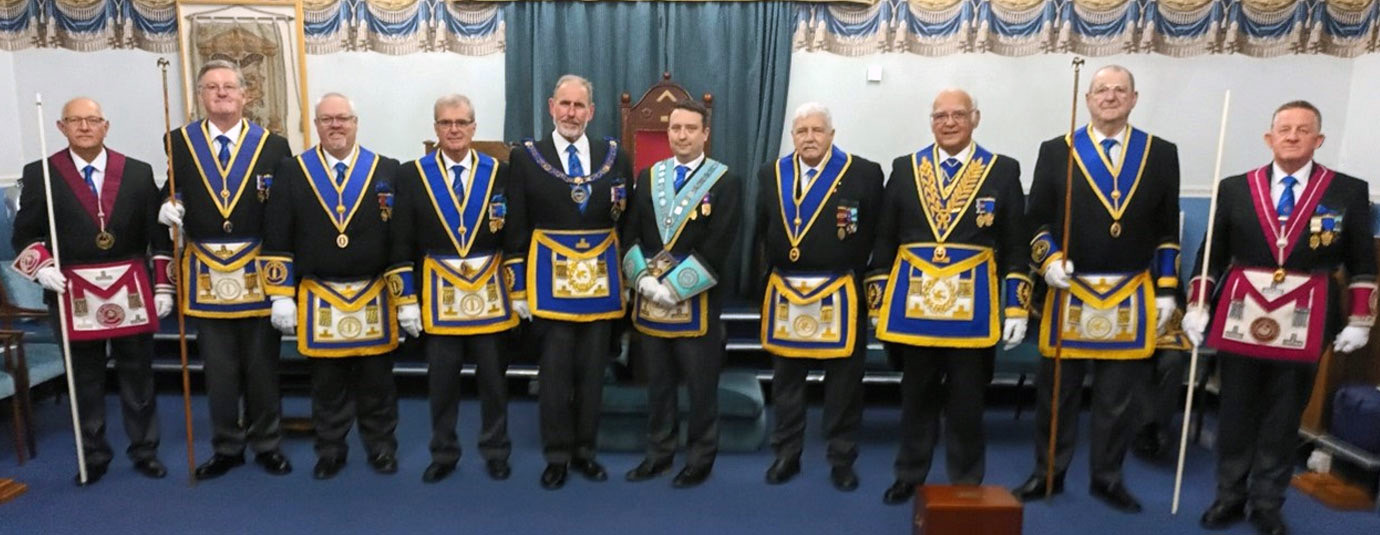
[734, 500]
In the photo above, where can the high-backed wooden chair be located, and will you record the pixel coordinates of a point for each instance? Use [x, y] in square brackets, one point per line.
[644, 123]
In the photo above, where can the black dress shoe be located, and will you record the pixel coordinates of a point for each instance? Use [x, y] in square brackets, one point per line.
[691, 476]
[554, 476]
[384, 463]
[275, 463]
[782, 470]
[1116, 496]
[498, 469]
[648, 469]
[1222, 515]
[590, 469]
[844, 478]
[328, 467]
[94, 473]
[1269, 522]
[898, 493]
[436, 472]
[1034, 488]
[151, 468]
[217, 466]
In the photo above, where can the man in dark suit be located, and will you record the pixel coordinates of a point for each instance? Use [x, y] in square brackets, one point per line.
[448, 224]
[816, 221]
[1125, 241]
[325, 250]
[107, 208]
[952, 224]
[679, 234]
[567, 195]
[224, 167]
[1279, 234]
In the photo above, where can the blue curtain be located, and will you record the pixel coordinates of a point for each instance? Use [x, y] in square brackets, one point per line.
[740, 52]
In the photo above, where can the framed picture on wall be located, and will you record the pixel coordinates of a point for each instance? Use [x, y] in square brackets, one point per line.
[265, 38]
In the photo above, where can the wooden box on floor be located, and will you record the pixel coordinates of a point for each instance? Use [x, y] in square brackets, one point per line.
[966, 510]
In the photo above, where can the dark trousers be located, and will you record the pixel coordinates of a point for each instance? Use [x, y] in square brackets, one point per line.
[241, 359]
[954, 379]
[1258, 428]
[697, 362]
[134, 371]
[843, 402]
[445, 356]
[344, 389]
[1115, 386]
[1163, 393]
[571, 386]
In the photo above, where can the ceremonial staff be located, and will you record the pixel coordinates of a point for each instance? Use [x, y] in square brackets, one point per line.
[61, 299]
[1058, 298]
[1202, 297]
[175, 267]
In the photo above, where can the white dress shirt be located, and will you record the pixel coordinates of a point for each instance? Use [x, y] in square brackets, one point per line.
[962, 155]
[1277, 182]
[581, 147]
[1113, 155]
[466, 170]
[332, 160]
[805, 179]
[692, 166]
[233, 133]
[97, 174]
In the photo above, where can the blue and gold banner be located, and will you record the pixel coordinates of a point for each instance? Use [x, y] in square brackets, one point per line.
[465, 296]
[225, 184]
[1105, 316]
[810, 315]
[941, 304]
[345, 318]
[224, 280]
[573, 275]
[462, 217]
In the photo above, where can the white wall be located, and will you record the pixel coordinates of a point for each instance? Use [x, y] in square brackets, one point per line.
[11, 145]
[1026, 100]
[1359, 143]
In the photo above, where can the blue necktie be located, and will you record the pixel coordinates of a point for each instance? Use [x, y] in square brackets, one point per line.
[950, 167]
[1286, 197]
[575, 169]
[1107, 145]
[340, 173]
[681, 172]
[224, 155]
[86, 174]
[804, 185]
[458, 184]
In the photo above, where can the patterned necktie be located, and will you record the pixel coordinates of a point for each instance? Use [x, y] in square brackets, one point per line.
[458, 183]
[573, 161]
[1286, 197]
[86, 174]
[950, 167]
[1107, 146]
[681, 172]
[804, 185]
[224, 155]
[340, 173]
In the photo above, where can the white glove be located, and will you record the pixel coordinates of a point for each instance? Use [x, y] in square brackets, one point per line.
[171, 213]
[163, 304]
[51, 278]
[652, 289]
[872, 321]
[284, 316]
[1059, 273]
[1164, 306]
[1195, 324]
[410, 319]
[1013, 332]
[1351, 338]
[520, 306]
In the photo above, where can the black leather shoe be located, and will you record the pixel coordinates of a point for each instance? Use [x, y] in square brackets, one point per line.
[1116, 496]
[554, 476]
[217, 466]
[691, 476]
[648, 469]
[1034, 488]
[94, 473]
[151, 468]
[899, 492]
[436, 472]
[782, 470]
[498, 469]
[1269, 522]
[1222, 515]
[384, 463]
[590, 469]
[274, 462]
[844, 478]
[328, 467]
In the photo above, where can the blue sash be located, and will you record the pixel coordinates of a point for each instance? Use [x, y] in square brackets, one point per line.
[798, 215]
[461, 219]
[345, 319]
[803, 319]
[573, 275]
[224, 280]
[1106, 316]
[340, 201]
[225, 185]
[462, 301]
[1113, 182]
[953, 304]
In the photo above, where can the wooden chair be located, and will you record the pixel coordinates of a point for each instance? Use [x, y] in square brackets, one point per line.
[15, 367]
[644, 123]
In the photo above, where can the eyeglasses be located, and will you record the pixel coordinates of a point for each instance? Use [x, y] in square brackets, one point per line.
[1117, 90]
[216, 88]
[335, 120]
[75, 121]
[958, 116]
[447, 124]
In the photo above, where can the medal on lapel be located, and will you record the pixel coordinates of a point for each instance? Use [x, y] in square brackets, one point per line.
[263, 183]
[706, 206]
[986, 208]
[385, 198]
[618, 198]
[498, 212]
[846, 219]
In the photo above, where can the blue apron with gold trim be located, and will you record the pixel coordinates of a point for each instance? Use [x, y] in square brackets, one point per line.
[465, 295]
[810, 315]
[1105, 316]
[224, 279]
[345, 318]
[684, 319]
[574, 275]
[952, 303]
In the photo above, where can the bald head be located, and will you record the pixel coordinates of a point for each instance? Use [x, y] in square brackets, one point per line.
[84, 125]
[953, 117]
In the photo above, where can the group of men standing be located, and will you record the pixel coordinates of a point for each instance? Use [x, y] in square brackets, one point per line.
[345, 248]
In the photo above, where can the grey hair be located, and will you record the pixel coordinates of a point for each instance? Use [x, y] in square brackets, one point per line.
[341, 96]
[221, 64]
[1114, 68]
[453, 100]
[575, 78]
[814, 108]
[972, 100]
